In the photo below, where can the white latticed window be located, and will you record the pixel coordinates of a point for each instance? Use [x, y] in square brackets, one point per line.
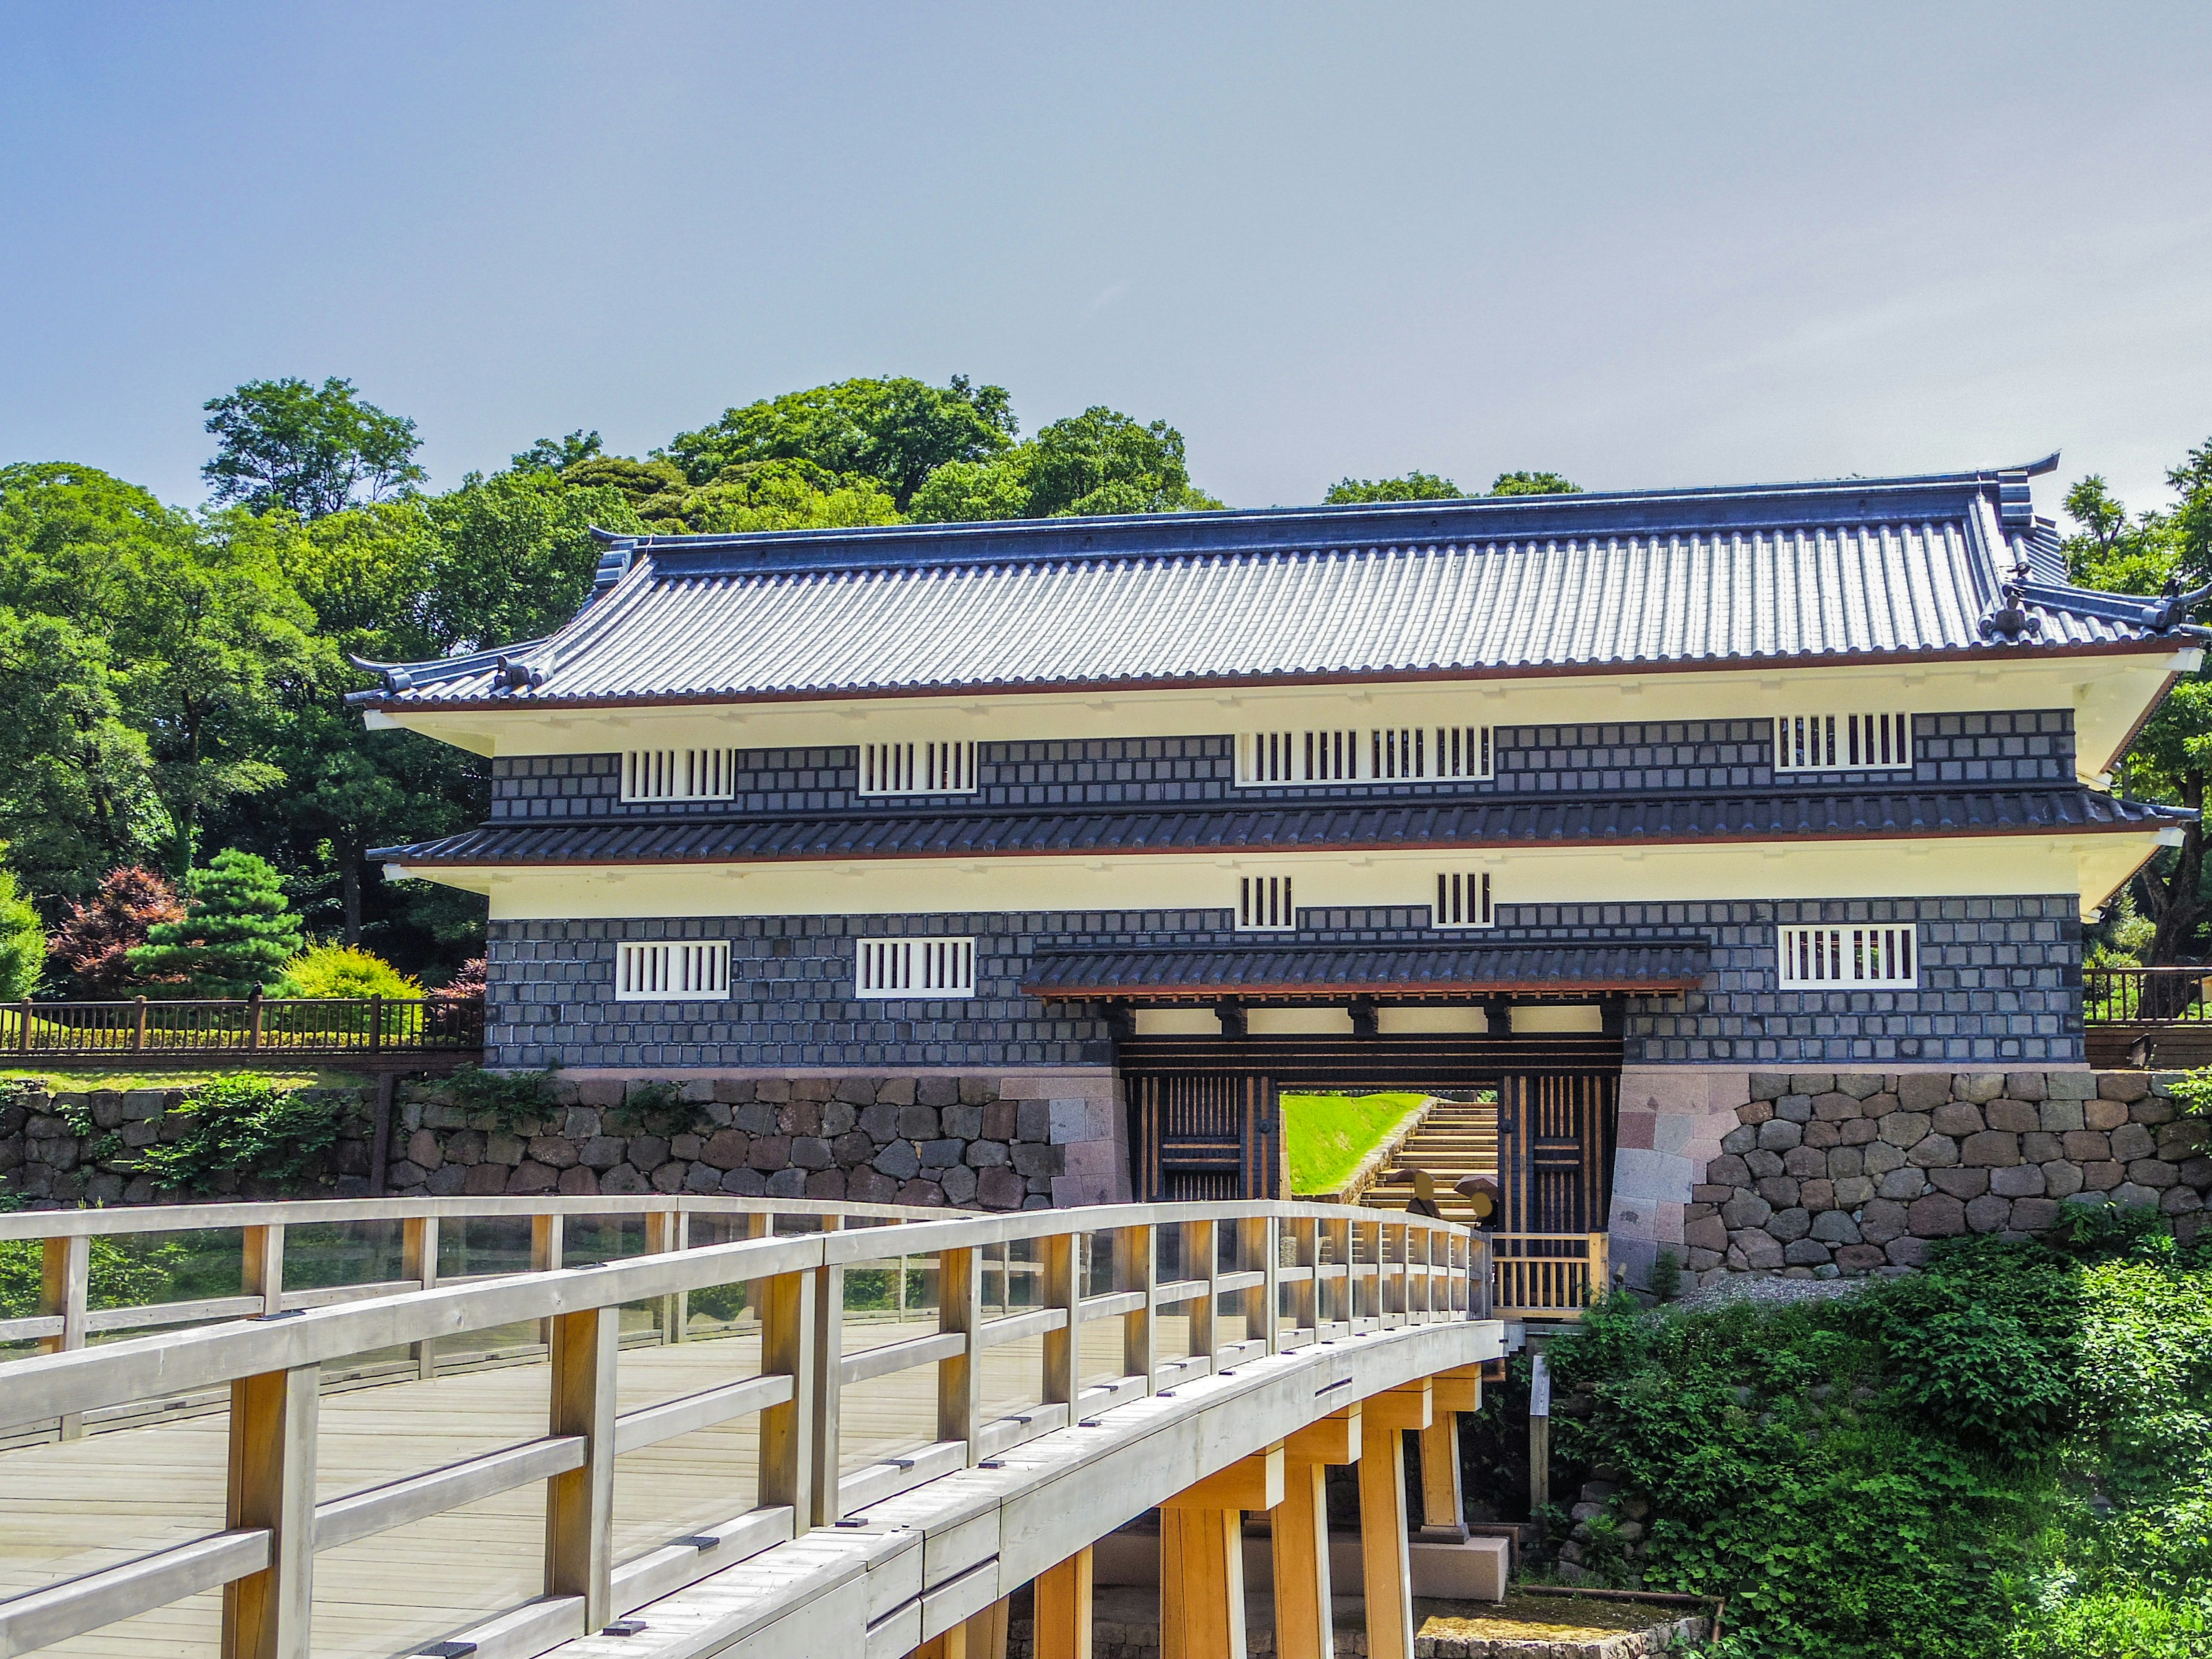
[1263, 905]
[1462, 899]
[681, 971]
[914, 968]
[1850, 956]
[917, 768]
[1843, 742]
[679, 774]
[1387, 754]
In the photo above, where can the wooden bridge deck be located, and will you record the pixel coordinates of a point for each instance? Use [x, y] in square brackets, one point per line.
[73, 1507]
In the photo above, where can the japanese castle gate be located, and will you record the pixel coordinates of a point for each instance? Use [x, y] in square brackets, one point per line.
[1015, 865]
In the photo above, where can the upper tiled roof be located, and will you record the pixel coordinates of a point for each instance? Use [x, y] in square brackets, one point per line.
[1650, 820]
[1302, 971]
[1899, 566]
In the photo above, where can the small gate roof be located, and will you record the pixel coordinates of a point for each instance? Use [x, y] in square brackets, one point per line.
[1389, 973]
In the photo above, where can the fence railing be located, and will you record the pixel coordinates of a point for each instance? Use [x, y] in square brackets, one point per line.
[1243, 1279]
[2146, 996]
[1547, 1275]
[249, 1025]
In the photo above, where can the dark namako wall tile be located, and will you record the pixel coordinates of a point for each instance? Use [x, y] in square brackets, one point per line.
[2000, 980]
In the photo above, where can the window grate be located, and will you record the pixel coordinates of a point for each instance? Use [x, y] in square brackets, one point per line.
[1830, 957]
[1264, 906]
[1380, 754]
[679, 774]
[918, 769]
[1462, 899]
[1843, 742]
[693, 970]
[914, 968]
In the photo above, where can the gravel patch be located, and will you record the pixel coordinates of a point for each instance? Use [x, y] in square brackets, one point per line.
[1766, 1288]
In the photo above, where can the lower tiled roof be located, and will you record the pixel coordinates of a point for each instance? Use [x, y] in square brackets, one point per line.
[1641, 966]
[1276, 828]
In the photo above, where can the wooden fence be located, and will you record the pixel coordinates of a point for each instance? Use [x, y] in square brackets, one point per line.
[142, 1031]
[1250, 1279]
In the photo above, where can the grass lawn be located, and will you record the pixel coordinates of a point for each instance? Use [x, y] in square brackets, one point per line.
[1328, 1135]
[76, 1080]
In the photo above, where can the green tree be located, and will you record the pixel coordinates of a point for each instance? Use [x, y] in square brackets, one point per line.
[1413, 487]
[514, 556]
[2170, 759]
[22, 940]
[1533, 483]
[961, 492]
[557, 455]
[238, 930]
[1102, 461]
[896, 431]
[778, 496]
[309, 450]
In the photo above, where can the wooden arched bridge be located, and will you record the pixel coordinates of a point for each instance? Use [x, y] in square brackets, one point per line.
[668, 1427]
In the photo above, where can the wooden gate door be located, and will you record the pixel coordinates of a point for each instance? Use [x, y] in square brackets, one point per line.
[1206, 1136]
[1555, 1142]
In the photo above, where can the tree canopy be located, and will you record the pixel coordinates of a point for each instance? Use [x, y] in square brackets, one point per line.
[1415, 486]
[313, 450]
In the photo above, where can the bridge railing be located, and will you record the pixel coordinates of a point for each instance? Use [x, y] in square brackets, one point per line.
[1238, 1279]
[253, 1025]
[1548, 1276]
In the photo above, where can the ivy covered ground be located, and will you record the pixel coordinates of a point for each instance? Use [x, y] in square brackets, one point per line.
[2008, 1456]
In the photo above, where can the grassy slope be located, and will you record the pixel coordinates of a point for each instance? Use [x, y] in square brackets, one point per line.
[1329, 1135]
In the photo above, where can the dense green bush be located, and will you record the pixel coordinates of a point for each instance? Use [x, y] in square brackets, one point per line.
[2007, 1456]
[511, 1100]
[244, 1126]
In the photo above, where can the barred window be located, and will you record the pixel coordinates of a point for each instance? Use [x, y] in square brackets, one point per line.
[679, 774]
[1263, 905]
[1843, 742]
[1462, 899]
[1384, 754]
[914, 968]
[917, 768]
[685, 970]
[1853, 955]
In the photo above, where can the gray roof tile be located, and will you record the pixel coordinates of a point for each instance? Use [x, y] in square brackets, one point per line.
[1532, 584]
[1418, 970]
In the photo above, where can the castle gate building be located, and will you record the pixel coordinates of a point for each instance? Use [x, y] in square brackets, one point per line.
[1123, 827]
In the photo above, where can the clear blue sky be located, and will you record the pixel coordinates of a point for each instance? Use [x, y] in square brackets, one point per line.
[1640, 245]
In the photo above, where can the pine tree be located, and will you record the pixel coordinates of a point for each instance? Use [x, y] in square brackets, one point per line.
[95, 944]
[238, 933]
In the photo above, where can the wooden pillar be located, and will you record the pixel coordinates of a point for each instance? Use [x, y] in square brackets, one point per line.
[1201, 1259]
[1441, 1509]
[545, 1243]
[418, 1259]
[1063, 1609]
[1136, 1267]
[1201, 1583]
[986, 1631]
[64, 1294]
[262, 1273]
[1300, 1541]
[828, 1379]
[960, 1376]
[787, 1308]
[1063, 1348]
[1259, 1253]
[668, 1230]
[266, 1614]
[1386, 1562]
[580, 1504]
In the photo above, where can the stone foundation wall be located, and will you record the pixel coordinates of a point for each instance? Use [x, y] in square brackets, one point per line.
[987, 1142]
[1828, 1173]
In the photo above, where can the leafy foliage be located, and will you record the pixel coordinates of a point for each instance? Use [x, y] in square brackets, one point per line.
[2003, 1455]
[22, 940]
[306, 449]
[117, 1276]
[243, 1127]
[513, 1100]
[94, 945]
[342, 971]
[1416, 486]
[237, 933]
[1533, 483]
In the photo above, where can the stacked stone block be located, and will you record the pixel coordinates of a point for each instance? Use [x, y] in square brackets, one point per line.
[1849, 1173]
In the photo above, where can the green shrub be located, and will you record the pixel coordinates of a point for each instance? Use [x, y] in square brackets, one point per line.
[513, 1100]
[657, 1108]
[342, 971]
[238, 930]
[114, 1277]
[22, 940]
[1666, 1275]
[246, 1127]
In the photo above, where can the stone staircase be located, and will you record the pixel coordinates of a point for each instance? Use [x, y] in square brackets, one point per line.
[1457, 1138]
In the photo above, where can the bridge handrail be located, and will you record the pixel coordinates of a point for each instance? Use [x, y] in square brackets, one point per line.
[1353, 1272]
